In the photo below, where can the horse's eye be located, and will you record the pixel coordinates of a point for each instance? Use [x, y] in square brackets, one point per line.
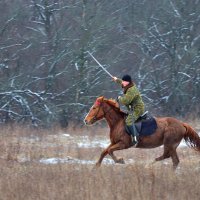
[93, 108]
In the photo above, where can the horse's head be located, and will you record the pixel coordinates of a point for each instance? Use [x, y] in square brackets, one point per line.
[96, 112]
[99, 110]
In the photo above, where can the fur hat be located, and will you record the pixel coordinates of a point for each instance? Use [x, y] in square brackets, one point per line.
[127, 78]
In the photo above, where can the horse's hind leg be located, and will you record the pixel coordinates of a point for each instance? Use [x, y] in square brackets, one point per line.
[173, 154]
[165, 155]
[170, 151]
[174, 157]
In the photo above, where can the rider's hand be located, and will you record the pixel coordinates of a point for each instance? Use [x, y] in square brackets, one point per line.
[118, 98]
[114, 78]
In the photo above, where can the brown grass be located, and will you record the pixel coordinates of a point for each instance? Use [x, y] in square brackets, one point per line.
[23, 177]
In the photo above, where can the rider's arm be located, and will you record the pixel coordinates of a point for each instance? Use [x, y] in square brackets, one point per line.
[127, 98]
[117, 80]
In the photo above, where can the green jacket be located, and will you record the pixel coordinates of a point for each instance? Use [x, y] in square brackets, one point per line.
[132, 100]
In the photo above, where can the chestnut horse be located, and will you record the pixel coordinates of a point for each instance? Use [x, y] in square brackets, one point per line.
[169, 132]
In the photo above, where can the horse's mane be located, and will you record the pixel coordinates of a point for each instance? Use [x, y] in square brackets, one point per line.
[113, 103]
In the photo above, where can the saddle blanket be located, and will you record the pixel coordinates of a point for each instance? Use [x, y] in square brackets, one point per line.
[146, 126]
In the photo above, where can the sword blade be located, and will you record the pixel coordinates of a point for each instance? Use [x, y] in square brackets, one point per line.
[100, 65]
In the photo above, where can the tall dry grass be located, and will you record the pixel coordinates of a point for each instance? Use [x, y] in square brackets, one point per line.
[23, 177]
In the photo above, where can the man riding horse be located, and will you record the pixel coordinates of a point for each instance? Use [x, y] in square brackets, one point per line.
[166, 131]
[133, 101]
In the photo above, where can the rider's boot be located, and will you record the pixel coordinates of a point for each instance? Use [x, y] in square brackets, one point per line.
[134, 134]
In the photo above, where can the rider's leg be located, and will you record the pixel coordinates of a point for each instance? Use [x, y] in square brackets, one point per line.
[134, 133]
[131, 128]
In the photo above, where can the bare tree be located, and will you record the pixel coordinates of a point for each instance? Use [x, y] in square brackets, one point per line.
[47, 76]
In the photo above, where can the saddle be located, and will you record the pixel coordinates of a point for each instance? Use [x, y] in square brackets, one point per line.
[146, 124]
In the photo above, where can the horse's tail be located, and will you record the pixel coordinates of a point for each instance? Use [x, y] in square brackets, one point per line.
[191, 137]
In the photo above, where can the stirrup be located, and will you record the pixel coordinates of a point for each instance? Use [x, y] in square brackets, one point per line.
[134, 140]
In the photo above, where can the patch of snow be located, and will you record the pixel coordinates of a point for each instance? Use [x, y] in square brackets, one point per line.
[65, 160]
[93, 143]
[166, 163]
[31, 139]
[182, 144]
[66, 135]
[70, 160]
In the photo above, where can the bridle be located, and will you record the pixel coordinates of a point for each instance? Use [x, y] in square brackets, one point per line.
[94, 119]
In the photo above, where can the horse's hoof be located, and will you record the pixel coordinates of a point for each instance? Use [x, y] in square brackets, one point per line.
[121, 161]
[175, 167]
[97, 165]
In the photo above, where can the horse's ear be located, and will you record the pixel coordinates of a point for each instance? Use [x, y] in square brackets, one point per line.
[100, 99]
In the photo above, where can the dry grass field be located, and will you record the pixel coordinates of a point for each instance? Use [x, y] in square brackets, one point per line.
[59, 164]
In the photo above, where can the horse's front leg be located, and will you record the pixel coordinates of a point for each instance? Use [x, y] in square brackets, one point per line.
[103, 154]
[116, 147]
[117, 160]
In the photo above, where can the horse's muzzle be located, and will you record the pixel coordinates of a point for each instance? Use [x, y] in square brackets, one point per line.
[85, 121]
[88, 122]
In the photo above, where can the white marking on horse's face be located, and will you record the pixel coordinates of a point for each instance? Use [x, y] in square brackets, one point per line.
[95, 113]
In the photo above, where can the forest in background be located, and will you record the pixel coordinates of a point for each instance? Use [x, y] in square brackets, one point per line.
[46, 76]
